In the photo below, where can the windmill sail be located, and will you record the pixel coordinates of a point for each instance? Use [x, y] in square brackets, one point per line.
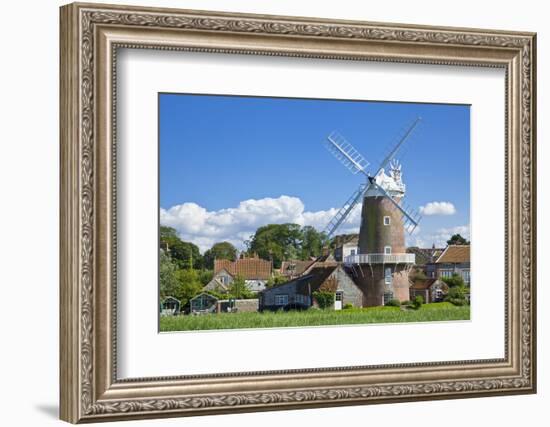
[346, 153]
[345, 210]
[397, 146]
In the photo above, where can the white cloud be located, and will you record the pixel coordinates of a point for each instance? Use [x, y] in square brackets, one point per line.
[204, 228]
[438, 208]
[439, 237]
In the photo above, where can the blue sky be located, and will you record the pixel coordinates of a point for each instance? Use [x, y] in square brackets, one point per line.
[229, 164]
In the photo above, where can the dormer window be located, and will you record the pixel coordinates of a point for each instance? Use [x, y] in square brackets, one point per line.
[387, 250]
[387, 220]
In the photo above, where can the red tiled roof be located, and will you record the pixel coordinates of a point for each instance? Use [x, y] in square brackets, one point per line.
[455, 254]
[247, 268]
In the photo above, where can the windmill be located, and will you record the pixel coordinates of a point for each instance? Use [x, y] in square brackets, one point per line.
[381, 262]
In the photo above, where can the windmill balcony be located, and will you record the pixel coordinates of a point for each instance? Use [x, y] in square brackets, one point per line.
[380, 259]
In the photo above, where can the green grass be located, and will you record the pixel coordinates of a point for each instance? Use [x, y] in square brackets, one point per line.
[427, 313]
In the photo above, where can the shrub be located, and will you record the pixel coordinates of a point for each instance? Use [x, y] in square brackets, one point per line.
[347, 306]
[457, 295]
[416, 303]
[393, 303]
[406, 302]
[324, 299]
[454, 281]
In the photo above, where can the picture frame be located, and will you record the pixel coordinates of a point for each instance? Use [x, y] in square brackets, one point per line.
[91, 35]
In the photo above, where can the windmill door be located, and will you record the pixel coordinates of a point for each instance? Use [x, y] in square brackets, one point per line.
[338, 298]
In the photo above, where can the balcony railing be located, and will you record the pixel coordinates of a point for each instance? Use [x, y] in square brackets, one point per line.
[380, 259]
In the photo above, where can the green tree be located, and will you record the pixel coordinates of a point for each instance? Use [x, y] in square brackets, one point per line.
[167, 276]
[188, 286]
[221, 250]
[184, 254]
[457, 239]
[205, 276]
[238, 289]
[312, 242]
[276, 242]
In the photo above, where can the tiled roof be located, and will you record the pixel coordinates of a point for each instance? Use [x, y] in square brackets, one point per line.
[423, 284]
[247, 268]
[295, 267]
[455, 254]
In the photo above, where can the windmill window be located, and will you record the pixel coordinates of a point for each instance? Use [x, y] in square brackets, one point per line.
[387, 276]
[387, 220]
[387, 250]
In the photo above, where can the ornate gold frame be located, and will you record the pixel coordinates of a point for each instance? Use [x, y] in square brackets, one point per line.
[90, 35]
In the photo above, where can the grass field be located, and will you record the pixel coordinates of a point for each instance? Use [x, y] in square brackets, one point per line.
[427, 313]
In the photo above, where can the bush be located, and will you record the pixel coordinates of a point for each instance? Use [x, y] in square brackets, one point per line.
[347, 306]
[416, 303]
[406, 302]
[324, 299]
[393, 303]
[457, 295]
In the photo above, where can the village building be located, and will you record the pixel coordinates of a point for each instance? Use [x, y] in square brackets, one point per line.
[255, 272]
[347, 248]
[299, 293]
[455, 259]
[431, 290]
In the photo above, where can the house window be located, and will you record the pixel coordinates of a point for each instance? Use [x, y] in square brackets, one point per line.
[281, 299]
[223, 279]
[339, 296]
[388, 296]
[445, 273]
[466, 275]
[387, 250]
[352, 252]
[387, 220]
[438, 294]
[387, 276]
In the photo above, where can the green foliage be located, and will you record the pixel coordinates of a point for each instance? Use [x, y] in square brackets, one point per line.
[167, 276]
[454, 281]
[276, 279]
[238, 289]
[183, 254]
[325, 299]
[312, 242]
[220, 250]
[189, 285]
[417, 302]
[457, 295]
[205, 276]
[457, 239]
[393, 303]
[278, 242]
[347, 306]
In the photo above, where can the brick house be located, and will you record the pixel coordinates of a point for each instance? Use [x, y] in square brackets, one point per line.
[255, 272]
[455, 259]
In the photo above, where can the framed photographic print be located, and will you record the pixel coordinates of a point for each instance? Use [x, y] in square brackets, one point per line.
[265, 212]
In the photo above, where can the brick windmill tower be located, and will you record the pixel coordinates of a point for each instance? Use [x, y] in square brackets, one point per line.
[381, 267]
